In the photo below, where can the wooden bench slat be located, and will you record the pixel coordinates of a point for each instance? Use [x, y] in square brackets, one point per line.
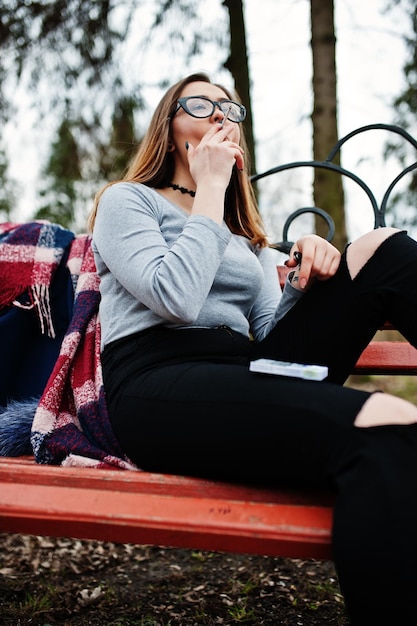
[24, 471]
[387, 357]
[232, 521]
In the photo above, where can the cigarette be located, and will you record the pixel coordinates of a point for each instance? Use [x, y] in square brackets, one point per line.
[226, 115]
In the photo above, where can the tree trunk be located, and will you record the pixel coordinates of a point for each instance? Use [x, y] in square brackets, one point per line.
[237, 64]
[328, 187]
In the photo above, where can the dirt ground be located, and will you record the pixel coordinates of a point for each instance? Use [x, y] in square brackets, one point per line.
[46, 581]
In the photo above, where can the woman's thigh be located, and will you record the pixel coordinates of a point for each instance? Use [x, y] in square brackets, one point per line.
[223, 421]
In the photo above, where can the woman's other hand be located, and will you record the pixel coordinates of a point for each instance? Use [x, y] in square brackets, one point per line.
[319, 259]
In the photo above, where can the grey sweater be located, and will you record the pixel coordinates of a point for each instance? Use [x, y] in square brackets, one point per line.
[159, 265]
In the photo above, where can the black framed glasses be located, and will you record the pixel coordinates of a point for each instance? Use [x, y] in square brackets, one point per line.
[200, 107]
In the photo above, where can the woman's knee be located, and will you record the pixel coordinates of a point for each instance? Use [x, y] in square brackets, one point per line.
[361, 250]
[383, 409]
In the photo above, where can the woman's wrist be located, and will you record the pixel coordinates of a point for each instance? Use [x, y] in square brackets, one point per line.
[209, 201]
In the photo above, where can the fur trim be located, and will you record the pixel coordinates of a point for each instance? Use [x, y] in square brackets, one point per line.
[15, 425]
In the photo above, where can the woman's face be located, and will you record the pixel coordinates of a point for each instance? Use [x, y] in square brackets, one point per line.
[185, 127]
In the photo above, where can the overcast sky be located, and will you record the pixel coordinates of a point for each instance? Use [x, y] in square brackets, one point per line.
[370, 56]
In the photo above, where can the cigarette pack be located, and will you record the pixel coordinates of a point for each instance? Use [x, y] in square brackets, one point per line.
[284, 368]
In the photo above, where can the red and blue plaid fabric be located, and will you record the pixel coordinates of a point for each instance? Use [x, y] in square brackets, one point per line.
[29, 257]
[71, 424]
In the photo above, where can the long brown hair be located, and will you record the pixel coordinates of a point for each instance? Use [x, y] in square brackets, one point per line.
[153, 165]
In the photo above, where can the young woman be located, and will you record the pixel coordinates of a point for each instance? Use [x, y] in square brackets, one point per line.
[189, 295]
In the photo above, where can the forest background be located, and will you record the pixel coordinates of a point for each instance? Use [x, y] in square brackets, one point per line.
[80, 79]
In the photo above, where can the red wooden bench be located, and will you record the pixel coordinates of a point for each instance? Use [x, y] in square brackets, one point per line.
[143, 508]
[138, 507]
[175, 511]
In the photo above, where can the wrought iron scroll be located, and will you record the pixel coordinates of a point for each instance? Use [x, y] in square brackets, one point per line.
[378, 210]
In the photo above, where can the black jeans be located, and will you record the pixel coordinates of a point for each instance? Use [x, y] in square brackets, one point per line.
[185, 402]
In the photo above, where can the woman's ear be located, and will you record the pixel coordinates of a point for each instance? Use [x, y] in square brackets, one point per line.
[170, 147]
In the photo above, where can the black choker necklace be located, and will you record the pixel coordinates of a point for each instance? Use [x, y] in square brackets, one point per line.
[182, 189]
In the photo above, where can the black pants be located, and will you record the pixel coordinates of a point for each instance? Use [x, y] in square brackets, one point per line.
[184, 401]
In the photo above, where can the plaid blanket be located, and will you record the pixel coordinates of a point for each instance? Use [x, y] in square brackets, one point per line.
[71, 425]
[29, 256]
